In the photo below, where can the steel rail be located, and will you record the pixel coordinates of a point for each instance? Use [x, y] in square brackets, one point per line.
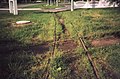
[88, 54]
[53, 50]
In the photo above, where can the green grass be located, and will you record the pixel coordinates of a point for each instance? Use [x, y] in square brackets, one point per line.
[19, 62]
[107, 59]
[92, 22]
[41, 27]
[43, 6]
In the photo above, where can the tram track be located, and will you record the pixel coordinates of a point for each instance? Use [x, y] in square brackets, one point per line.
[81, 41]
[93, 65]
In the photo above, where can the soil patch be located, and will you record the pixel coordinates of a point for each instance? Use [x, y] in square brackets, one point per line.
[20, 25]
[64, 29]
[105, 41]
[68, 45]
[42, 48]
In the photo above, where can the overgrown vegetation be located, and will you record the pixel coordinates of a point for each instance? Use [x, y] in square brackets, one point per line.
[26, 49]
[92, 23]
[43, 6]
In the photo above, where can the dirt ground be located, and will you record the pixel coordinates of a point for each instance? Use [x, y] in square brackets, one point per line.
[105, 41]
[68, 45]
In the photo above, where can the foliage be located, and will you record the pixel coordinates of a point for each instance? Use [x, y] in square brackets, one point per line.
[26, 66]
[107, 59]
[58, 67]
[40, 28]
[89, 23]
[43, 6]
[92, 23]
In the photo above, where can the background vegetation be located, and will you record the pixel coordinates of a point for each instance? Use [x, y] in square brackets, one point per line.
[26, 49]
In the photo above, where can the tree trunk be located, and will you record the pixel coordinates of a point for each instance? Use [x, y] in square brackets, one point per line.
[51, 3]
[57, 3]
[48, 2]
[72, 5]
[25, 1]
[54, 1]
[29, 0]
[5, 1]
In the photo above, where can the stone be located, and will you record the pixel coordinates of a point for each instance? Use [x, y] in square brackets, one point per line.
[23, 22]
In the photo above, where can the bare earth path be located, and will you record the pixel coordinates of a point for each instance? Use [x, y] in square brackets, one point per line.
[105, 41]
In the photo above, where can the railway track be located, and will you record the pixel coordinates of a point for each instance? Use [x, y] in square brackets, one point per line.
[53, 49]
[81, 41]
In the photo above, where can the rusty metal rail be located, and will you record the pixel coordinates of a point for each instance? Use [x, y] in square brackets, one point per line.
[88, 54]
[89, 58]
[81, 42]
[53, 50]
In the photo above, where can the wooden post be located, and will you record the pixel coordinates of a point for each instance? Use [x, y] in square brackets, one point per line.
[51, 2]
[48, 2]
[57, 3]
[10, 6]
[72, 5]
[13, 7]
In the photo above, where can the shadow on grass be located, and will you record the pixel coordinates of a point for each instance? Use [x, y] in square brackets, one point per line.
[10, 46]
[115, 34]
